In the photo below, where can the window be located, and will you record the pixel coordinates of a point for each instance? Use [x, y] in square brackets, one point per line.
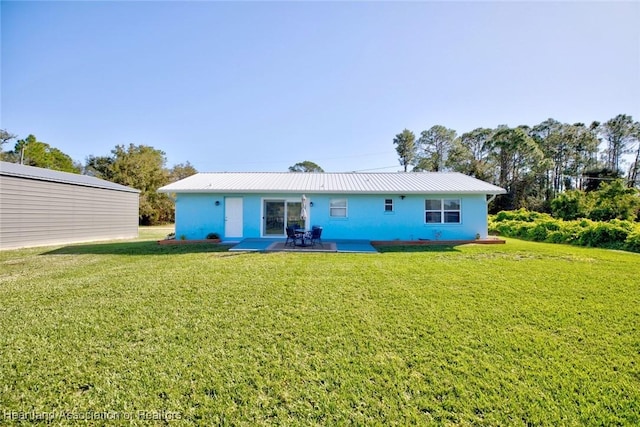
[451, 210]
[388, 205]
[433, 208]
[338, 208]
[438, 211]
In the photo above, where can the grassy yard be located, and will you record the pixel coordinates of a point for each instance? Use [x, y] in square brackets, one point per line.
[515, 334]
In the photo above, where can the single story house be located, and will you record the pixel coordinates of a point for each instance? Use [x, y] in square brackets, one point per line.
[41, 207]
[371, 206]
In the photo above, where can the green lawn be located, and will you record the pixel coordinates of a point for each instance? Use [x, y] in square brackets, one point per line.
[515, 334]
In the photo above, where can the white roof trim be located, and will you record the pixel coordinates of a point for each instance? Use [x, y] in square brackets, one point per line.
[352, 183]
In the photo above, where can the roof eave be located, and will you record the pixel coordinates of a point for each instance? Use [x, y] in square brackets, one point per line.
[308, 191]
[122, 188]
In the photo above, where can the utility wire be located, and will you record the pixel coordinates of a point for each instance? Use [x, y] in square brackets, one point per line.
[375, 169]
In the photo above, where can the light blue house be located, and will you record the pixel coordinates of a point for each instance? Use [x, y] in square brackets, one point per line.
[371, 206]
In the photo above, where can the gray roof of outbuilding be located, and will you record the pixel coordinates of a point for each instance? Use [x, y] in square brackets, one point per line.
[363, 183]
[40, 174]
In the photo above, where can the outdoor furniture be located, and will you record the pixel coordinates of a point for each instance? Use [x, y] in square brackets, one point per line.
[316, 236]
[291, 235]
[302, 235]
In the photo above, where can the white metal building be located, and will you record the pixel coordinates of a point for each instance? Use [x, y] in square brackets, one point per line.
[41, 207]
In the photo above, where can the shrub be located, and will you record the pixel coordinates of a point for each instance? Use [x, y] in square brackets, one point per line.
[542, 229]
[633, 242]
[522, 229]
[615, 200]
[570, 205]
[611, 201]
[556, 237]
[604, 234]
[573, 230]
[502, 228]
[614, 234]
[538, 233]
[519, 215]
[627, 225]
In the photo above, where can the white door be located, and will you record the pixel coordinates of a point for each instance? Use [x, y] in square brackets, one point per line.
[233, 217]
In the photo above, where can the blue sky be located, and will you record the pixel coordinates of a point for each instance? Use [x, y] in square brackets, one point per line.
[260, 86]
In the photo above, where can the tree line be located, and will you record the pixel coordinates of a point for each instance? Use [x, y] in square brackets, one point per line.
[142, 167]
[137, 166]
[534, 164]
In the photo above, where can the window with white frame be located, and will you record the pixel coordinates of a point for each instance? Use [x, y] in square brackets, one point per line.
[388, 205]
[442, 211]
[338, 208]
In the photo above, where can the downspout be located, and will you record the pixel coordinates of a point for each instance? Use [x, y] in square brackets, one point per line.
[491, 199]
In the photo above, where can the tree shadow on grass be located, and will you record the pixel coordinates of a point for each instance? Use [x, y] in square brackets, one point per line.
[416, 248]
[153, 248]
[137, 248]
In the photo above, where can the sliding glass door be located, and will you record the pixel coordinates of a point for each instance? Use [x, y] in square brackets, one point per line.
[293, 214]
[278, 214]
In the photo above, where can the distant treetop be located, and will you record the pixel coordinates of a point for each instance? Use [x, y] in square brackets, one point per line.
[305, 166]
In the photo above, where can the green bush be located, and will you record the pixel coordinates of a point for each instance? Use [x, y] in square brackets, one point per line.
[611, 201]
[627, 225]
[572, 230]
[604, 235]
[525, 225]
[522, 229]
[571, 205]
[633, 242]
[502, 228]
[541, 230]
[556, 237]
[614, 234]
[615, 200]
[519, 215]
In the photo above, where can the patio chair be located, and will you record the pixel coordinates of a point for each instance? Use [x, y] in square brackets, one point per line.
[291, 235]
[316, 236]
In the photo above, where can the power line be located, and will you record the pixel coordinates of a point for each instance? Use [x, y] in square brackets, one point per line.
[375, 169]
[596, 178]
[316, 160]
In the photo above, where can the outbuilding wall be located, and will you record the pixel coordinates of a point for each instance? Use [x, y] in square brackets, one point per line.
[35, 213]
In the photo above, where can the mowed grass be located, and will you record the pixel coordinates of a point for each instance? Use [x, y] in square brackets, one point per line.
[515, 334]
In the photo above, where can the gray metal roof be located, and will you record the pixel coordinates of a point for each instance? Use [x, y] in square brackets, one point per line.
[298, 182]
[31, 172]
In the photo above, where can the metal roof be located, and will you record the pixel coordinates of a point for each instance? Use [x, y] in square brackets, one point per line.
[40, 174]
[354, 182]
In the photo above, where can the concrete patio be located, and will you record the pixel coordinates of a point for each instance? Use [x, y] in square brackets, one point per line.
[277, 245]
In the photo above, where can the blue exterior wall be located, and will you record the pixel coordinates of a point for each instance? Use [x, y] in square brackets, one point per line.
[197, 215]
